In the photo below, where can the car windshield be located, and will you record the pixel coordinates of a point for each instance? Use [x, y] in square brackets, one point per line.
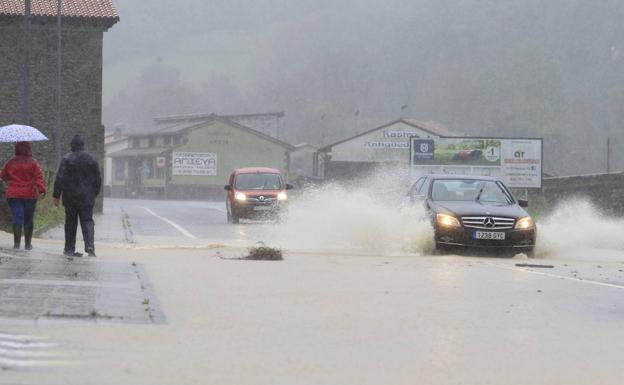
[465, 190]
[258, 181]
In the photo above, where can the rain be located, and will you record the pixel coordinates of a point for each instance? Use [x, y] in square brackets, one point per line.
[311, 192]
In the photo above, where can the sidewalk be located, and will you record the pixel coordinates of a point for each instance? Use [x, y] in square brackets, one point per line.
[43, 284]
[110, 226]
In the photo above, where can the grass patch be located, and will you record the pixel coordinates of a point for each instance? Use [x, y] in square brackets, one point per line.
[47, 216]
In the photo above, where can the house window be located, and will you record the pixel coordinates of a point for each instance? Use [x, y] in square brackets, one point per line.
[136, 142]
[167, 138]
[151, 139]
[120, 169]
[176, 140]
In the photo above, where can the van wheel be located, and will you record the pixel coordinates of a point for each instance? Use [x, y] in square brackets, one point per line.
[231, 218]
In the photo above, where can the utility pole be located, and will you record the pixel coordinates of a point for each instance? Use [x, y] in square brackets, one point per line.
[26, 66]
[608, 155]
[59, 84]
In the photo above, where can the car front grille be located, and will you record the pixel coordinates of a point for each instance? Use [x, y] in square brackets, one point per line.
[488, 223]
[261, 199]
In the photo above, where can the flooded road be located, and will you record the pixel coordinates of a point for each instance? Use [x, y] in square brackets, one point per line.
[343, 310]
[322, 224]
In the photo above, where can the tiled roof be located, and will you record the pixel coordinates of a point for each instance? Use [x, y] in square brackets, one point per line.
[98, 9]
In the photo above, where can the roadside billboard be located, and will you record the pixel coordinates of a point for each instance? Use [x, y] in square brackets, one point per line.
[516, 161]
[194, 163]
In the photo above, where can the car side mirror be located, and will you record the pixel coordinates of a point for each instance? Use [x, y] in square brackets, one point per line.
[289, 186]
[227, 187]
[523, 203]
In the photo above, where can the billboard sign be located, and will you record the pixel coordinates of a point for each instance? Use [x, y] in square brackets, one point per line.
[516, 161]
[194, 163]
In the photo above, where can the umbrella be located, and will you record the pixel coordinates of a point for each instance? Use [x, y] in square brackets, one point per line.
[20, 133]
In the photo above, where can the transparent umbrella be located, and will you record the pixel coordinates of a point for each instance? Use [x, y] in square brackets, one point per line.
[20, 133]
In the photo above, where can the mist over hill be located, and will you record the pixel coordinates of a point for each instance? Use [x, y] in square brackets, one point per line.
[552, 69]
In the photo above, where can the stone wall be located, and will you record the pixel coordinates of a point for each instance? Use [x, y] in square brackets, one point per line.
[605, 191]
[82, 84]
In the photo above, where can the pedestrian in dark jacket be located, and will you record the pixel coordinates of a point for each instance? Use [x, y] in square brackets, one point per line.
[78, 181]
[25, 185]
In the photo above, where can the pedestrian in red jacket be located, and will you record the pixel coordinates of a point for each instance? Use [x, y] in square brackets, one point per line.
[25, 185]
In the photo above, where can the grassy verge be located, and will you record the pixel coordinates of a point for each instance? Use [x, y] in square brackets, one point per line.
[47, 215]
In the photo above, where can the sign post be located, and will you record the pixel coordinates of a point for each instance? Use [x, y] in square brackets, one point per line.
[194, 163]
[516, 161]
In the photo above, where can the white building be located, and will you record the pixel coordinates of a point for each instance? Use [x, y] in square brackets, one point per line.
[362, 153]
[112, 143]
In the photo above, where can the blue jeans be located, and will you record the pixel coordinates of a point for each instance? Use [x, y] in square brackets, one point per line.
[23, 211]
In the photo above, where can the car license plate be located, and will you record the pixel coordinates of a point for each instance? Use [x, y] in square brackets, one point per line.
[262, 208]
[496, 235]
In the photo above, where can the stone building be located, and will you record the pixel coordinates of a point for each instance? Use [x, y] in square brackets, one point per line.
[83, 25]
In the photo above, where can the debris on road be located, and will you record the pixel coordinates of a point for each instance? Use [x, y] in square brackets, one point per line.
[534, 265]
[264, 253]
[259, 252]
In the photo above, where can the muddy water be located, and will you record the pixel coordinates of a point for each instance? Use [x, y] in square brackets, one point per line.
[371, 217]
[343, 219]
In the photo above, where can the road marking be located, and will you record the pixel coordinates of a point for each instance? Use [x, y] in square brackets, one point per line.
[19, 345]
[566, 278]
[172, 223]
[19, 337]
[29, 352]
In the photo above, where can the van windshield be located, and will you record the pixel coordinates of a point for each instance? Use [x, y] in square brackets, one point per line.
[258, 181]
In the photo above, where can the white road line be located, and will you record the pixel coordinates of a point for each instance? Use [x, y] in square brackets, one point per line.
[587, 281]
[19, 337]
[14, 353]
[172, 223]
[32, 345]
[17, 363]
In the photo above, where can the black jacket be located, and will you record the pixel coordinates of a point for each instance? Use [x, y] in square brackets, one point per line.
[78, 179]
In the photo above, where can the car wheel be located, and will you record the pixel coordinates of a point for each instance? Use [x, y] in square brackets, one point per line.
[234, 218]
[440, 249]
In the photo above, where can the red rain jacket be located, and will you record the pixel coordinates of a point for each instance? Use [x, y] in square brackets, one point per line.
[23, 174]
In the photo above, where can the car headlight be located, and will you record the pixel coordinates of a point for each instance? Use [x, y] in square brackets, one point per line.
[239, 196]
[524, 223]
[282, 196]
[447, 220]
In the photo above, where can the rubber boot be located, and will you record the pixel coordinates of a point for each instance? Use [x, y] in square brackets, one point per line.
[28, 232]
[17, 236]
[88, 234]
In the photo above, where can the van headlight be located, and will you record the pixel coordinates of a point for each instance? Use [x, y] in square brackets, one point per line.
[239, 196]
[524, 223]
[446, 220]
[282, 196]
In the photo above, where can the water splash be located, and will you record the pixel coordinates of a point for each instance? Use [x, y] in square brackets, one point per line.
[575, 225]
[366, 217]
